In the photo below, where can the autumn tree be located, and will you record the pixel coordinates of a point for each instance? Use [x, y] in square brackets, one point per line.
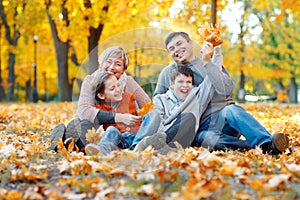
[280, 44]
[9, 12]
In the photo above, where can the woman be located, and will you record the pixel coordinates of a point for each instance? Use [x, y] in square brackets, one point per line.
[113, 60]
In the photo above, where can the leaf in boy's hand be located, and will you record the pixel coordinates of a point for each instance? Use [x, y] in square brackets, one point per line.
[146, 107]
[210, 34]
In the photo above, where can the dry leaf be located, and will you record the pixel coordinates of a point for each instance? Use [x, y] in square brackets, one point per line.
[146, 107]
[210, 34]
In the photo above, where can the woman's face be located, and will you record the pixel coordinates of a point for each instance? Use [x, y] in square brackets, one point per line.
[114, 66]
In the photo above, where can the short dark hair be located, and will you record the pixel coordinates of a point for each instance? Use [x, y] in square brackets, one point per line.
[174, 34]
[182, 69]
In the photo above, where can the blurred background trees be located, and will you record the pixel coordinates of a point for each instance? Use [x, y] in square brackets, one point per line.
[261, 48]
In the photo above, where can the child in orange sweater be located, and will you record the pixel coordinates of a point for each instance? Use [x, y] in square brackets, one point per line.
[111, 98]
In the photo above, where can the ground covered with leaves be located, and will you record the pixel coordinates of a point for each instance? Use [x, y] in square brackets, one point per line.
[29, 170]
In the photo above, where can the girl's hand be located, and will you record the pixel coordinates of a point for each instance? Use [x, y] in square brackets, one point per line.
[127, 119]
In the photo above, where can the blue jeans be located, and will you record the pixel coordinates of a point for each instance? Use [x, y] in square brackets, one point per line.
[222, 130]
[113, 138]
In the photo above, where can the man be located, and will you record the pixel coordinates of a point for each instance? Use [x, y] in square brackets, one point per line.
[223, 122]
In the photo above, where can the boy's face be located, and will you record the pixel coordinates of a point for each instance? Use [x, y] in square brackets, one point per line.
[182, 86]
[112, 92]
[180, 49]
[114, 66]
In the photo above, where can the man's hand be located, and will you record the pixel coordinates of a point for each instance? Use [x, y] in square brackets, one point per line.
[207, 51]
[127, 119]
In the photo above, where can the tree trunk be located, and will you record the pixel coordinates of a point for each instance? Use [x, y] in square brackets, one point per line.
[11, 77]
[64, 87]
[93, 39]
[293, 90]
[61, 51]
[213, 12]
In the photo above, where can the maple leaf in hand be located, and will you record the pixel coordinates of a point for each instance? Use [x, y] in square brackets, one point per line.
[210, 34]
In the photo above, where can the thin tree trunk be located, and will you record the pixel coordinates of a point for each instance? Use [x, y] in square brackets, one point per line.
[11, 77]
[293, 90]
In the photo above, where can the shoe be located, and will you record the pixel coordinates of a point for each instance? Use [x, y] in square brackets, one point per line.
[93, 149]
[57, 135]
[73, 129]
[67, 142]
[157, 141]
[279, 143]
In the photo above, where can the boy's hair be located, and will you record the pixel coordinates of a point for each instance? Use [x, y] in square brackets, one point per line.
[115, 52]
[182, 69]
[174, 34]
[100, 84]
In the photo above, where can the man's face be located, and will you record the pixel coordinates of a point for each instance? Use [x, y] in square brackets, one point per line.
[182, 86]
[180, 49]
[114, 66]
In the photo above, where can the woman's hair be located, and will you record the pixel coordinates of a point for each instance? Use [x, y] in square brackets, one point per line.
[114, 52]
[100, 84]
[181, 69]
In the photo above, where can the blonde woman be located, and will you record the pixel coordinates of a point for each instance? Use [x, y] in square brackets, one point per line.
[113, 60]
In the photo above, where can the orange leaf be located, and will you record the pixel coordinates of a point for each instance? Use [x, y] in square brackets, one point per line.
[210, 34]
[146, 107]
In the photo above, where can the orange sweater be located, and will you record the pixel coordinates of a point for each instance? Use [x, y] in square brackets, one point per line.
[127, 105]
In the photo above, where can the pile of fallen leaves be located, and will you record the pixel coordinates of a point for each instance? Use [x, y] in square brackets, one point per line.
[29, 170]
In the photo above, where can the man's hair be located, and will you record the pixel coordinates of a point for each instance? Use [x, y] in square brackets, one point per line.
[100, 84]
[114, 52]
[174, 34]
[181, 69]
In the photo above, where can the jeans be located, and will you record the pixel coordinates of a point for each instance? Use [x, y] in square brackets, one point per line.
[222, 130]
[182, 130]
[113, 138]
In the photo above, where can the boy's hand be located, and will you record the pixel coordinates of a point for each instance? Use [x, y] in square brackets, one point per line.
[127, 119]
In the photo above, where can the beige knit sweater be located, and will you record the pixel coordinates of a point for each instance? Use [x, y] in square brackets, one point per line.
[86, 103]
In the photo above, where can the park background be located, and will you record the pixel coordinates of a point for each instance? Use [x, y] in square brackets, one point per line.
[47, 47]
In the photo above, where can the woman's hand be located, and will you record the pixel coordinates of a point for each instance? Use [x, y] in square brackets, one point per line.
[127, 119]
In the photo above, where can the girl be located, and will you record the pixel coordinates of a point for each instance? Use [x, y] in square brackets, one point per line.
[111, 98]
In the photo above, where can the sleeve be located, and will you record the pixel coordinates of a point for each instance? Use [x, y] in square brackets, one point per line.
[133, 87]
[158, 105]
[86, 103]
[219, 78]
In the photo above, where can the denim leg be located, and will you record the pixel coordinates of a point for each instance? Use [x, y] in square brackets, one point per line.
[210, 136]
[246, 124]
[182, 130]
[111, 139]
[149, 126]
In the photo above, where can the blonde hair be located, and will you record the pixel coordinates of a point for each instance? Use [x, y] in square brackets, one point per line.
[115, 52]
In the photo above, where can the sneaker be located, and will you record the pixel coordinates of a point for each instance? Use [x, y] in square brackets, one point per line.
[67, 142]
[73, 129]
[93, 149]
[157, 141]
[57, 135]
[279, 143]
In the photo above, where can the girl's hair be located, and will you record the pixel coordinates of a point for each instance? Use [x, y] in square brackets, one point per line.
[100, 84]
[115, 52]
[181, 69]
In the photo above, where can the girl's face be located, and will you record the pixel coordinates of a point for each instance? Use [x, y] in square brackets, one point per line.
[112, 92]
[114, 66]
[182, 86]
